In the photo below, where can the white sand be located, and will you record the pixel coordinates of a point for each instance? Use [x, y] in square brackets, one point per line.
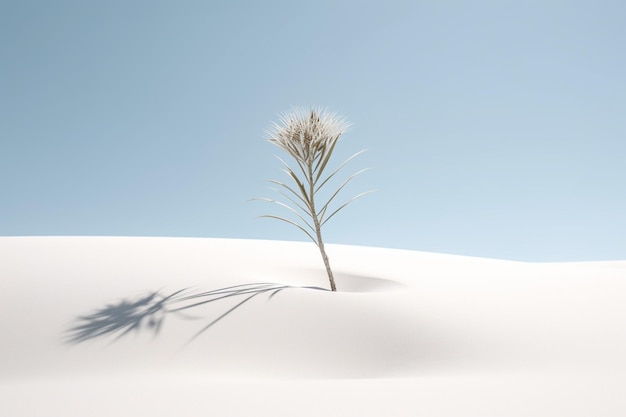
[408, 333]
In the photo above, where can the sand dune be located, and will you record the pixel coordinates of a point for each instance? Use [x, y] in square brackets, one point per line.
[109, 326]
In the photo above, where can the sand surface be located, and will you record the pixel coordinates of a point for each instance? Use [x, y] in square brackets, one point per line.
[111, 326]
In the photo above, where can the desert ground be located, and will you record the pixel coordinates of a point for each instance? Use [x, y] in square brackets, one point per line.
[132, 326]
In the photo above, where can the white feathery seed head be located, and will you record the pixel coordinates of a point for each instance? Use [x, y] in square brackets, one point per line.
[305, 132]
[309, 135]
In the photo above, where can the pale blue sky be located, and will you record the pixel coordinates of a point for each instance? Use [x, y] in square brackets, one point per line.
[494, 128]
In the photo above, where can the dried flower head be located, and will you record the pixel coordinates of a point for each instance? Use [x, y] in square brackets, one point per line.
[305, 133]
[309, 136]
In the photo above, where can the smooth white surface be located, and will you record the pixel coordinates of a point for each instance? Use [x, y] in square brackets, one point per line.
[408, 333]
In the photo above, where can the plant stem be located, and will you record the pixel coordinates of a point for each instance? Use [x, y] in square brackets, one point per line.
[320, 245]
[318, 229]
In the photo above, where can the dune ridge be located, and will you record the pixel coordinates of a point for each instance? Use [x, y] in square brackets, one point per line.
[405, 331]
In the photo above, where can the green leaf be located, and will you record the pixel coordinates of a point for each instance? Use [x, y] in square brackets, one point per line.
[345, 204]
[295, 178]
[286, 165]
[292, 223]
[323, 209]
[280, 203]
[324, 160]
[304, 210]
[293, 192]
[339, 168]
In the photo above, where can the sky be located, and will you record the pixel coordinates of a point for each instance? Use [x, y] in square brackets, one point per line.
[492, 128]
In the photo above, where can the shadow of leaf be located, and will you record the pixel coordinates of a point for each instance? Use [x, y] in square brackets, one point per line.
[149, 312]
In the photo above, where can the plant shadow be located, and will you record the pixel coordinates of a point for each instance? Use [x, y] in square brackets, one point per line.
[149, 312]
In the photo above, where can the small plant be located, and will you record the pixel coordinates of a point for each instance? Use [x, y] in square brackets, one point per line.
[309, 136]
